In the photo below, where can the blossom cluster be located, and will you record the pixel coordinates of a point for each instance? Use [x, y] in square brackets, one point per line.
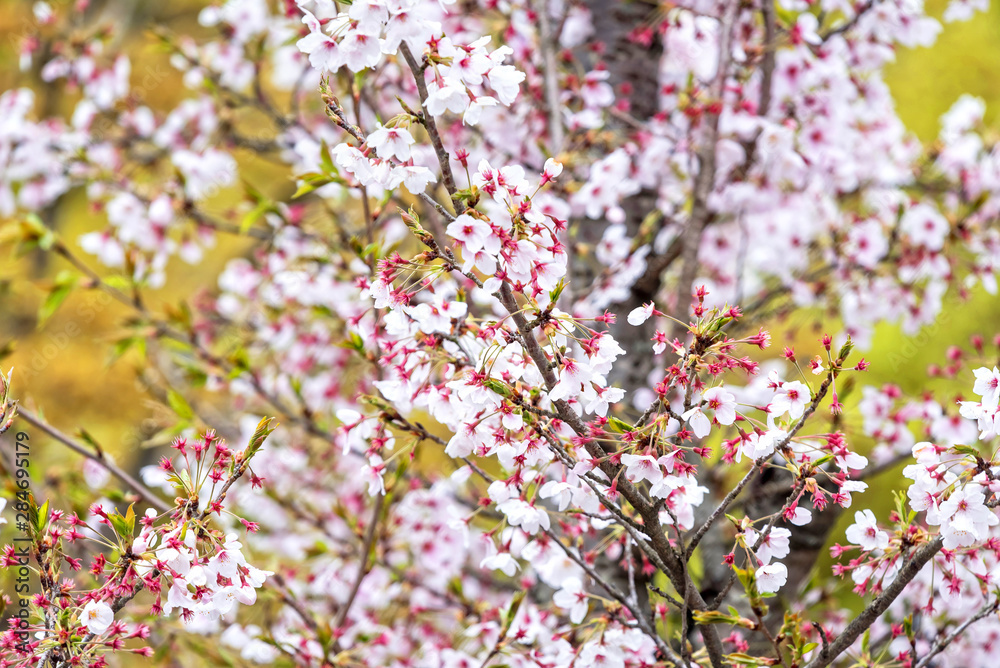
[177, 549]
[500, 442]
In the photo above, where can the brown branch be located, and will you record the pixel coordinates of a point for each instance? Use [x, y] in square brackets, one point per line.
[847, 25]
[363, 565]
[874, 610]
[705, 179]
[768, 63]
[80, 449]
[942, 643]
[431, 126]
[548, 40]
[733, 493]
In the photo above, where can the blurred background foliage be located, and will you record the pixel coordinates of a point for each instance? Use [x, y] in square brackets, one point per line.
[62, 368]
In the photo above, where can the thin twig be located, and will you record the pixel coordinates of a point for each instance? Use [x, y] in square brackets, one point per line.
[705, 179]
[942, 643]
[81, 449]
[431, 126]
[618, 596]
[548, 39]
[874, 610]
[363, 565]
[733, 493]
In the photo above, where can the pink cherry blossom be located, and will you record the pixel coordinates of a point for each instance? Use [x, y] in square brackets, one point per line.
[772, 577]
[865, 532]
[480, 461]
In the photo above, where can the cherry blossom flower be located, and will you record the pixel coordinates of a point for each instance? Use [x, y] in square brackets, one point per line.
[775, 545]
[799, 516]
[641, 467]
[522, 514]
[391, 143]
[573, 598]
[964, 518]
[925, 226]
[563, 491]
[700, 424]
[792, 398]
[574, 375]
[722, 402]
[771, 578]
[472, 233]
[449, 97]
[97, 617]
[499, 561]
[757, 445]
[373, 475]
[640, 314]
[988, 386]
[865, 532]
[323, 52]
[505, 80]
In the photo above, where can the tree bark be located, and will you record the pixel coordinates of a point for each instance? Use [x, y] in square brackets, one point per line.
[637, 66]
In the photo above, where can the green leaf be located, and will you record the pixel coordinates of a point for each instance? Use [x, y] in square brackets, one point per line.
[846, 349]
[252, 193]
[354, 342]
[716, 617]
[497, 386]
[619, 425]
[179, 406]
[176, 480]
[33, 513]
[711, 617]
[122, 346]
[120, 525]
[557, 291]
[261, 433]
[258, 212]
[313, 180]
[85, 436]
[130, 518]
[965, 450]
[745, 659]
[64, 284]
[118, 282]
[823, 460]
[511, 611]
[35, 234]
[326, 160]
[42, 518]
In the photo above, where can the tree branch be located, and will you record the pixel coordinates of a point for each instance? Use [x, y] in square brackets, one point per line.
[733, 493]
[81, 449]
[366, 549]
[431, 126]
[943, 643]
[875, 609]
[705, 179]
